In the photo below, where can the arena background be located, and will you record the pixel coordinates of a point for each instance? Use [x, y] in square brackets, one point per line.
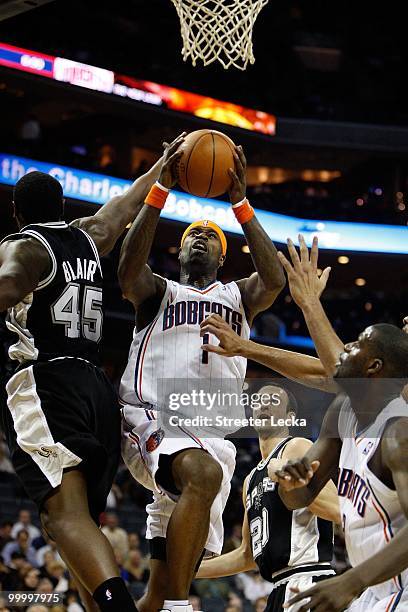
[330, 146]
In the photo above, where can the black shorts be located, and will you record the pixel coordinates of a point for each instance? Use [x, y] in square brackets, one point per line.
[304, 580]
[63, 414]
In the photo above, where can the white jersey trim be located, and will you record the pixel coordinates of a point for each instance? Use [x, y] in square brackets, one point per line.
[46, 281]
[93, 246]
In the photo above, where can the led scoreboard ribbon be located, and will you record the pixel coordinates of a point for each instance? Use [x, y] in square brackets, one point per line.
[183, 207]
[109, 82]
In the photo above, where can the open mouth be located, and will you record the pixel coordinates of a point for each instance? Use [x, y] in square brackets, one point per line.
[200, 245]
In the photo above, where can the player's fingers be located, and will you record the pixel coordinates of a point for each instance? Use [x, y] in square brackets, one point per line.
[212, 348]
[294, 256]
[285, 263]
[241, 155]
[210, 329]
[233, 175]
[314, 253]
[325, 276]
[295, 471]
[283, 475]
[304, 252]
[299, 596]
[214, 319]
[173, 158]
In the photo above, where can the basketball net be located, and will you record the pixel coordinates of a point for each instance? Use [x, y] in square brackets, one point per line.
[218, 30]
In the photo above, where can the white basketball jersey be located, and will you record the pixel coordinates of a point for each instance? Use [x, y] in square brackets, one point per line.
[372, 514]
[170, 347]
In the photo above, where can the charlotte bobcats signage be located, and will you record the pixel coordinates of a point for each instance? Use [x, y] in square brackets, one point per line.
[334, 235]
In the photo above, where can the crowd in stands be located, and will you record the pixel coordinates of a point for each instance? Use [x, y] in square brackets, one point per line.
[29, 560]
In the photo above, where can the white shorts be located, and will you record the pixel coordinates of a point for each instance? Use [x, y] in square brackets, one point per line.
[143, 441]
[396, 602]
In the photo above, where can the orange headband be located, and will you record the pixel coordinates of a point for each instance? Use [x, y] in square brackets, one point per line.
[214, 226]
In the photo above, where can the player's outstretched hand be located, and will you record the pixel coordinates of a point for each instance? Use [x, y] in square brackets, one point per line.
[230, 343]
[172, 153]
[331, 595]
[294, 474]
[305, 284]
[237, 191]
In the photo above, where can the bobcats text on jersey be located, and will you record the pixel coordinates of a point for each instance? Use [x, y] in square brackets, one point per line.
[353, 487]
[193, 312]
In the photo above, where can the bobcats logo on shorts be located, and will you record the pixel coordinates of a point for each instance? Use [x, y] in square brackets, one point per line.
[154, 440]
[46, 452]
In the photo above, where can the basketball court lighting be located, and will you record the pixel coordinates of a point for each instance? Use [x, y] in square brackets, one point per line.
[343, 259]
[360, 282]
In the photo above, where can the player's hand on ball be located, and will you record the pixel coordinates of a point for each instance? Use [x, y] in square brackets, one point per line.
[294, 474]
[305, 284]
[230, 343]
[237, 191]
[172, 154]
[331, 595]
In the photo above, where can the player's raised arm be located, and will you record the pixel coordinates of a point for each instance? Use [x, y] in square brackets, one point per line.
[18, 276]
[301, 480]
[111, 220]
[137, 281]
[236, 561]
[295, 366]
[261, 289]
[306, 287]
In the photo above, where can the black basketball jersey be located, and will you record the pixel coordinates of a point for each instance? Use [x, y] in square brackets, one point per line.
[63, 317]
[282, 538]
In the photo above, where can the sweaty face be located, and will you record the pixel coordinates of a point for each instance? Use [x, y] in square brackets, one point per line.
[202, 246]
[356, 357]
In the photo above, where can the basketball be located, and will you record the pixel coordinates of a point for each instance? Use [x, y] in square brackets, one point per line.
[203, 167]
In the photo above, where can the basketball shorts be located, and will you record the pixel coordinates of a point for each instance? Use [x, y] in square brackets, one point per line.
[301, 580]
[63, 414]
[145, 446]
[396, 602]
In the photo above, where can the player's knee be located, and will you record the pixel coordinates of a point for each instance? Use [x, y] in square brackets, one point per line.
[201, 475]
[59, 521]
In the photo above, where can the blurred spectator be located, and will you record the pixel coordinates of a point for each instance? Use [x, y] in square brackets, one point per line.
[114, 498]
[24, 522]
[115, 534]
[195, 601]
[45, 586]
[260, 604]
[22, 546]
[235, 601]
[133, 541]
[56, 571]
[31, 580]
[8, 577]
[106, 159]
[50, 547]
[253, 585]
[72, 602]
[37, 608]
[5, 533]
[136, 567]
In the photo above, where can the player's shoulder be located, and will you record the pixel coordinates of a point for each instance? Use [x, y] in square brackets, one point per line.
[19, 246]
[296, 447]
[394, 442]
